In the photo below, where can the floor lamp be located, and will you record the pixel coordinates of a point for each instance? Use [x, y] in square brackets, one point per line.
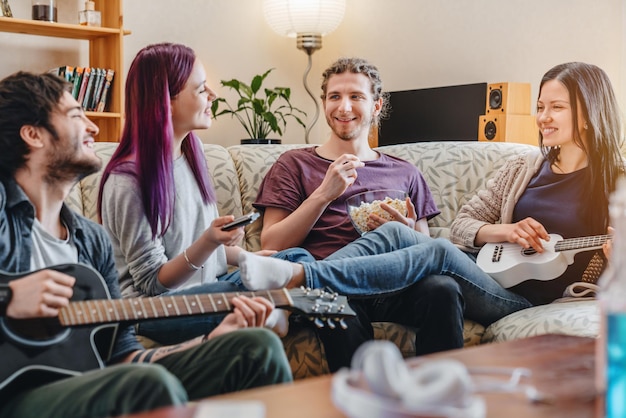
[308, 21]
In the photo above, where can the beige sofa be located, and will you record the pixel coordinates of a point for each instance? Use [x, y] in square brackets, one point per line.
[454, 170]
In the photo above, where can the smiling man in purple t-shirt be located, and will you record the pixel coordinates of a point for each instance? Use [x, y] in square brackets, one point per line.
[303, 201]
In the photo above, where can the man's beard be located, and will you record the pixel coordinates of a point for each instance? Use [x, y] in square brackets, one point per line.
[352, 133]
[65, 166]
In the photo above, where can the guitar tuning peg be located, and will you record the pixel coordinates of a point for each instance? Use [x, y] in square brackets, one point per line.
[330, 323]
[318, 323]
[328, 294]
[343, 324]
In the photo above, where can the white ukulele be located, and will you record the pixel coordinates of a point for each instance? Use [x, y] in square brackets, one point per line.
[509, 264]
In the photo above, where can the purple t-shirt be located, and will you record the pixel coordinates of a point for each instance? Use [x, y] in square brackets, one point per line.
[297, 173]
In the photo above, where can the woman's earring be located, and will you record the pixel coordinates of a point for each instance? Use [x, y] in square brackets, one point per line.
[586, 126]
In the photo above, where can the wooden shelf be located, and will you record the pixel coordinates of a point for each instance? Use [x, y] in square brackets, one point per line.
[57, 30]
[105, 51]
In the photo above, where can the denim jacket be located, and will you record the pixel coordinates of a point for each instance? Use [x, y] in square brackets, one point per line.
[17, 215]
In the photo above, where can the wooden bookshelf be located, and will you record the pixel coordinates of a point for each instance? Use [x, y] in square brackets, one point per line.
[106, 50]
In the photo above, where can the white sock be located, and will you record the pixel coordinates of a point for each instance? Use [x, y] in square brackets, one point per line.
[261, 273]
[278, 321]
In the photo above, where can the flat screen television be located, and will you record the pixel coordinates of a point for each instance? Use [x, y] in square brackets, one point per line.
[447, 113]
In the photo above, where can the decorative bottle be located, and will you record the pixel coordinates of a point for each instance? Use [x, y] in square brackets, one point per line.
[611, 353]
[44, 10]
[90, 16]
[5, 9]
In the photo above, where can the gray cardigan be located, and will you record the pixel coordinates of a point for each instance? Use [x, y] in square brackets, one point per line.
[496, 203]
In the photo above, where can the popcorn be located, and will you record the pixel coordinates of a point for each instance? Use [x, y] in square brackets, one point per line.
[360, 215]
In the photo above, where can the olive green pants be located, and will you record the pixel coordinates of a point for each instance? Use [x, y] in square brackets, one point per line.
[235, 361]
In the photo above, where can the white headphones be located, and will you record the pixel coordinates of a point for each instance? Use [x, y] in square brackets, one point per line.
[381, 385]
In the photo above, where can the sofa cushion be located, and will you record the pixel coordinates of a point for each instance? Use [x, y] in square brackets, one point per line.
[225, 180]
[580, 317]
[455, 171]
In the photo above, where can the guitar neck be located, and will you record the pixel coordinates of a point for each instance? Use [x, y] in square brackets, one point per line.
[88, 312]
[582, 243]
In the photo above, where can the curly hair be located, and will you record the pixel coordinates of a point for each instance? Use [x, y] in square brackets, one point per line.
[359, 66]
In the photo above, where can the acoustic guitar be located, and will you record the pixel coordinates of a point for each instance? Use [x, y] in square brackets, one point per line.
[37, 351]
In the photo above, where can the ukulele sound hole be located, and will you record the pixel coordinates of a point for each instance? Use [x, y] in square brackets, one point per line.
[529, 251]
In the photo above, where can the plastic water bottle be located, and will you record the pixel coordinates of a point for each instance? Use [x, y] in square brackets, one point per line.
[611, 353]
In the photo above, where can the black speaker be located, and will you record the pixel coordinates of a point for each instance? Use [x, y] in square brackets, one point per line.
[508, 128]
[490, 130]
[511, 98]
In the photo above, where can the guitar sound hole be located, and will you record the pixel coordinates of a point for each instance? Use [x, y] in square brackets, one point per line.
[529, 251]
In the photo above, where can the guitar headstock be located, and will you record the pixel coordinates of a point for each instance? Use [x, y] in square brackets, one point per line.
[321, 306]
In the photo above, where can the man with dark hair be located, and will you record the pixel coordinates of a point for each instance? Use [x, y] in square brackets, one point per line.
[47, 145]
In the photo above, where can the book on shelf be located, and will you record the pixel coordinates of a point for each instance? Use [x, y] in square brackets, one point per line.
[78, 78]
[66, 72]
[83, 84]
[102, 102]
[89, 89]
[97, 89]
[90, 85]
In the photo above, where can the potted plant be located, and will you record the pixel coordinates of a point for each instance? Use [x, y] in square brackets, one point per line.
[259, 115]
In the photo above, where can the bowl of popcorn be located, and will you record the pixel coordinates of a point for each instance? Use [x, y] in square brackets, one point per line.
[361, 205]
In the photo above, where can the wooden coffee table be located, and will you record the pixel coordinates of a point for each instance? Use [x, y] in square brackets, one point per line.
[562, 367]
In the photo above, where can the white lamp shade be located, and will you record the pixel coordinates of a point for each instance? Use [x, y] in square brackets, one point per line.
[290, 17]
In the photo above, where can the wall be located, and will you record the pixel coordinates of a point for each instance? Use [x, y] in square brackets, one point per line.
[415, 43]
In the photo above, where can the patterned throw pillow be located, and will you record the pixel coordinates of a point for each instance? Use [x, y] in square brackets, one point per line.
[581, 318]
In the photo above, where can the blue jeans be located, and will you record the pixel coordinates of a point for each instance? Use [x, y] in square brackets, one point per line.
[393, 258]
[176, 330]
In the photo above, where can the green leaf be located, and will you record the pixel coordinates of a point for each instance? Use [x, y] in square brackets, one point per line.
[256, 83]
[271, 119]
[246, 90]
[265, 74]
[259, 106]
[241, 103]
[270, 100]
[233, 84]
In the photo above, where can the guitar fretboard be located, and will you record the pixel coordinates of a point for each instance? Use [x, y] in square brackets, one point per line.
[88, 312]
[580, 243]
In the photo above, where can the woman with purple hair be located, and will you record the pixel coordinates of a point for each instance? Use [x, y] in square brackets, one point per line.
[156, 199]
